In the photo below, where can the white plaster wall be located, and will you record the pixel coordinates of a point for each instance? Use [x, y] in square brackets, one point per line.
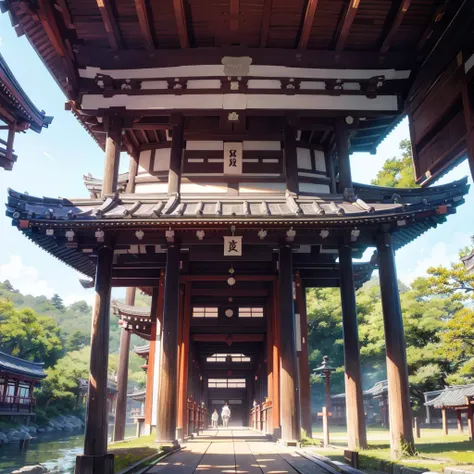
[144, 161]
[303, 156]
[151, 188]
[259, 188]
[162, 159]
[314, 188]
[320, 161]
[197, 188]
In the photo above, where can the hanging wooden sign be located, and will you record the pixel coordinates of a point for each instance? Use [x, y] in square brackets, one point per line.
[233, 152]
[233, 246]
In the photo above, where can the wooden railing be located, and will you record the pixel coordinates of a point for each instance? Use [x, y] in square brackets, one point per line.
[17, 404]
[261, 417]
[197, 417]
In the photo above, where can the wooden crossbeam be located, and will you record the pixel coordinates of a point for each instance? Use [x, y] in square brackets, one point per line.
[144, 23]
[436, 18]
[404, 5]
[307, 23]
[267, 13]
[346, 26]
[111, 27]
[180, 15]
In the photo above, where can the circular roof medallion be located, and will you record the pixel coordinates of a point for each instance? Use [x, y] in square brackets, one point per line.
[229, 313]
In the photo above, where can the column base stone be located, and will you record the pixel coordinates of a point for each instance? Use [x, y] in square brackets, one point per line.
[289, 443]
[101, 464]
[168, 446]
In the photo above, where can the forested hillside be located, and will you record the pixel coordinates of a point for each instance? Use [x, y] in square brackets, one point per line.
[45, 330]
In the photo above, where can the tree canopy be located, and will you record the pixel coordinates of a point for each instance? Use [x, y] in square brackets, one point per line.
[398, 172]
[25, 334]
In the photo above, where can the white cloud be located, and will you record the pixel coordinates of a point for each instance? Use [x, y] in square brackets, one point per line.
[24, 278]
[440, 254]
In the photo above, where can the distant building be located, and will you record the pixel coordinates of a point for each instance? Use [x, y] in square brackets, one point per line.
[111, 394]
[375, 405]
[18, 378]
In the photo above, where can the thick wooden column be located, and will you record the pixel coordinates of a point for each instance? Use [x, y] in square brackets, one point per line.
[184, 362]
[291, 159]
[303, 360]
[470, 421]
[444, 416]
[269, 357]
[113, 144]
[168, 384]
[356, 432]
[401, 434]
[459, 421]
[176, 153]
[276, 362]
[342, 148]
[132, 174]
[122, 375]
[95, 458]
[289, 393]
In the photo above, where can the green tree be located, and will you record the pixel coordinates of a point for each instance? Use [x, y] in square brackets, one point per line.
[57, 302]
[398, 172]
[77, 340]
[25, 334]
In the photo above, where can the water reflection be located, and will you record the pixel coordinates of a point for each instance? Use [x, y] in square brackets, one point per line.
[56, 451]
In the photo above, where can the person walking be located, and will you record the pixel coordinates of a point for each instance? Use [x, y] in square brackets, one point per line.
[215, 418]
[225, 415]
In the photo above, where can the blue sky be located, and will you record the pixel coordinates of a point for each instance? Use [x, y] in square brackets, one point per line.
[52, 164]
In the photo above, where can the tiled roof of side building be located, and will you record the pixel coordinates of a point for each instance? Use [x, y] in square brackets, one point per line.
[15, 366]
[452, 397]
[378, 389]
[121, 309]
[21, 105]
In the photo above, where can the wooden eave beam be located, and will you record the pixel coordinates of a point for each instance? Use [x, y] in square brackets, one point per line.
[144, 23]
[346, 26]
[180, 15]
[111, 27]
[307, 23]
[404, 5]
[267, 13]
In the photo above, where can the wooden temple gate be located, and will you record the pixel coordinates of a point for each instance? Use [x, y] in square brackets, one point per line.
[239, 194]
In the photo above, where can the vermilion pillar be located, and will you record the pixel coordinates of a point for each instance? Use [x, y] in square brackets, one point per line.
[168, 384]
[303, 360]
[113, 144]
[95, 459]
[401, 434]
[289, 393]
[122, 375]
[356, 432]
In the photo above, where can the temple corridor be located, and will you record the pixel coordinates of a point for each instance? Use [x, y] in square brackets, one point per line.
[235, 450]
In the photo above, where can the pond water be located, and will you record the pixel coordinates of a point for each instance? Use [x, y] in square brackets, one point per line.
[57, 451]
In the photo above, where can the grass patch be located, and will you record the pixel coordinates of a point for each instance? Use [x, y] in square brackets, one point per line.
[434, 450]
[132, 451]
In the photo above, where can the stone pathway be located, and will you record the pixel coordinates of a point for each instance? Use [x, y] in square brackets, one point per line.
[235, 451]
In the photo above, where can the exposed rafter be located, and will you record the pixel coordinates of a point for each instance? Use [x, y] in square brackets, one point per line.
[181, 23]
[404, 5]
[346, 25]
[267, 13]
[107, 14]
[437, 17]
[234, 15]
[307, 23]
[144, 22]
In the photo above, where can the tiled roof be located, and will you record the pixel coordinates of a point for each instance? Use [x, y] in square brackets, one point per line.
[413, 211]
[20, 104]
[16, 366]
[142, 350]
[452, 396]
[137, 395]
[121, 309]
[378, 389]
[111, 385]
